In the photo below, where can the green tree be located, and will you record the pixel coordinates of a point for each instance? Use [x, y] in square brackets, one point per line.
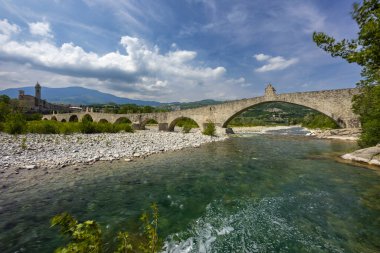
[210, 129]
[365, 51]
[15, 123]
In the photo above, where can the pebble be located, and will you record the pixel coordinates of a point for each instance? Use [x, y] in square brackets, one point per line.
[48, 151]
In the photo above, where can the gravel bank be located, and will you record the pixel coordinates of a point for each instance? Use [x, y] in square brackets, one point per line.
[37, 151]
[260, 129]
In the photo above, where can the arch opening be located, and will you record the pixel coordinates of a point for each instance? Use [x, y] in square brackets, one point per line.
[123, 120]
[73, 118]
[149, 124]
[63, 120]
[103, 121]
[54, 118]
[87, 118]
[183, 122]
[281, 113]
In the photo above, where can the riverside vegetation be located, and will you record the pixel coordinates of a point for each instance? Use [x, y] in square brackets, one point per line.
[365, 51]
[87, 236]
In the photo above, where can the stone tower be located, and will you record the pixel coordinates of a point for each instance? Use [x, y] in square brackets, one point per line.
[38, 91]
[21, 94]
[270, 92]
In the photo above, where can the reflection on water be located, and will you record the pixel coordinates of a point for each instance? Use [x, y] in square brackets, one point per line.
[262, 193]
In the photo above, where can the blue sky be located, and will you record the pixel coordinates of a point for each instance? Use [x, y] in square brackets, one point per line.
[174, 50]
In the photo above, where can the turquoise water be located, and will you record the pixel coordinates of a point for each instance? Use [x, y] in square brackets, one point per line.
[254, 193]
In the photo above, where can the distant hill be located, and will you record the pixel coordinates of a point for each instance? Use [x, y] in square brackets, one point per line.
[190, 105]
[76, 96]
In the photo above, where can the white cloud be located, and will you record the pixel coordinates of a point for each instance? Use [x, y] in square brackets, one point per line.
[7, 30]
[261, 57]
[307, 15]
[142, 70]
[40, 29]
[274, 63]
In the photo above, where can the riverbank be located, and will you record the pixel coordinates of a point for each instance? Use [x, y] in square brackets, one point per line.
[48, 152]
[347, 134]
[260, 129]
[369, 155]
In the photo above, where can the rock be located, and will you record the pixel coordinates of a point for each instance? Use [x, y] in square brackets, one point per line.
[229, 130]
[128, 160]
[136, 155]
[30, 167]
[368, 155]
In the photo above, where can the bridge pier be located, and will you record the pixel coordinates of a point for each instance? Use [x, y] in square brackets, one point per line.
[163, 126]
[136, 126]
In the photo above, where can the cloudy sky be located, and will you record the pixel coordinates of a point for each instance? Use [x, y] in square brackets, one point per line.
[174, 50]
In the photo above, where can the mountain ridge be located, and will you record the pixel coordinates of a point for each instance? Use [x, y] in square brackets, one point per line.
[76, 95]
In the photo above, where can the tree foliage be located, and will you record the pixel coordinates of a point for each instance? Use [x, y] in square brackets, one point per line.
[365, 51]
[87, 236]
[210, 129]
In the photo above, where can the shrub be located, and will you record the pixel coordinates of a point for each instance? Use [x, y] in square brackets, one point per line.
[186, 128]
[371, 135]
[44, 127]
[209, 129]
[124, 127]
[87, 127]
[105, 127]
[15, 123]
[33, 116]
[69, 127]
[87, 236]
[313, 120]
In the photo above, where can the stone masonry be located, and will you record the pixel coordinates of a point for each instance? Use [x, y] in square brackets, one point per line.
[334, 103]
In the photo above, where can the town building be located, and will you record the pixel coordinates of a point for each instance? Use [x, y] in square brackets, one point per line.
[35, 104]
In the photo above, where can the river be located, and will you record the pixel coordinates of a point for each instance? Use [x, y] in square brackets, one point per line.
[252, 193]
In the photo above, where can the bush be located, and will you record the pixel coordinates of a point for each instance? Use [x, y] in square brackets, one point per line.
[33, 116]
[367, 106]
[69, 127]
[371, 133]
[321, 121]
[44, 127]
[87, 127]
[123, 127]
[186, 128]
[15, 124]
[209, 129]
[87, 236]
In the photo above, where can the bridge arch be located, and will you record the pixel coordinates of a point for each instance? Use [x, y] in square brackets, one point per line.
[123, 120]
[174, 122]
[337, 120]
[63, 120]
[87, 117]
[54, 118]
[103, 121]
[148, 121]
[73, 118]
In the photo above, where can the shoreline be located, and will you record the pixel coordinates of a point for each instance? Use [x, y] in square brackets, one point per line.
[347, 134]
[46, 152]
[32, 157]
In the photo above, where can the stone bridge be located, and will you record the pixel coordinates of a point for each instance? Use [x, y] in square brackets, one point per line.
[334, 103]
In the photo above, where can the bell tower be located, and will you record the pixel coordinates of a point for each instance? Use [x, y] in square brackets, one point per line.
[38, 91]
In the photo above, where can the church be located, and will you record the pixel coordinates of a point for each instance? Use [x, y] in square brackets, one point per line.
[35, 104]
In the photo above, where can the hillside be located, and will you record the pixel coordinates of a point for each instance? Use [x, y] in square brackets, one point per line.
[76, 96]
